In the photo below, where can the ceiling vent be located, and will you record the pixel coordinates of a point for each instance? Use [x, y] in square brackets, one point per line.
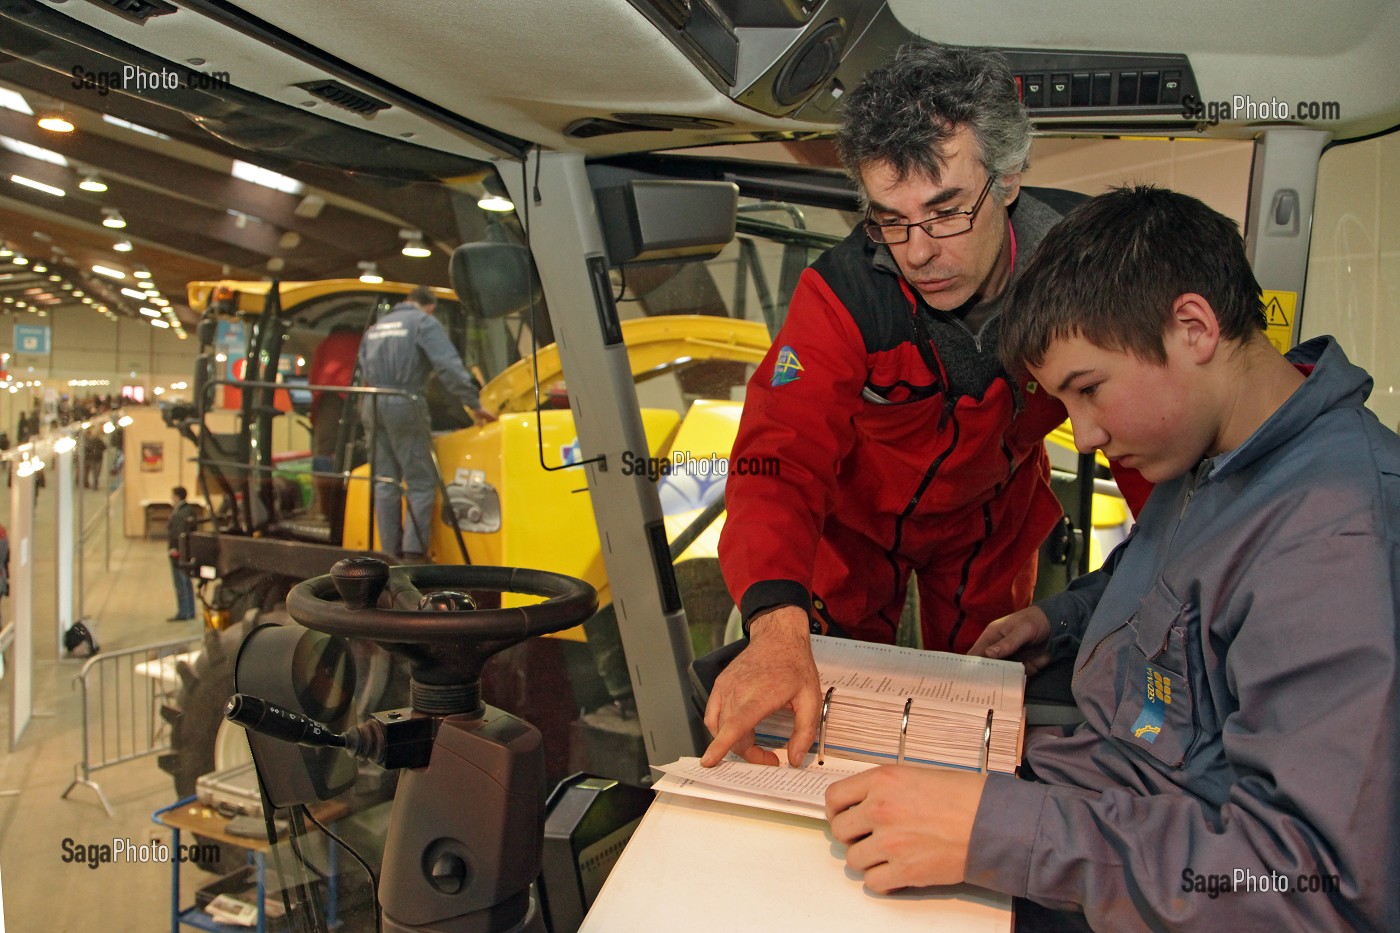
[671, 121]
[590, 127]
[342, 95]
[138, 11]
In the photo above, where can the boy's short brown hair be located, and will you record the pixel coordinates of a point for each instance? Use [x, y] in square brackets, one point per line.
[1112, 268]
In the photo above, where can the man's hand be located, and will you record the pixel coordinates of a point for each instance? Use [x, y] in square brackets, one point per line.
[774, 671]
[906, 827]
[1021, 636]
[482, 416]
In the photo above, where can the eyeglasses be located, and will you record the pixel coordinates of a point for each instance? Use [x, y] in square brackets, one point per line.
[944, 225]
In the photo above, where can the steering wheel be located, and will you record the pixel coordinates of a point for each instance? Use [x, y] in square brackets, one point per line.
[450, 866]
[441, 633]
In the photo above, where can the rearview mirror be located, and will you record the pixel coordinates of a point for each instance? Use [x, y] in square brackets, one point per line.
[665, 220]
[493, 279]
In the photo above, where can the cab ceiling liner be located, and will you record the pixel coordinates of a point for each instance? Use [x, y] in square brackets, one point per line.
[50, 40]
[253, 27]
[263, 31]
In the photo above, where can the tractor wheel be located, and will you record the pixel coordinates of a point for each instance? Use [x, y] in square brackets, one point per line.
[195, 718]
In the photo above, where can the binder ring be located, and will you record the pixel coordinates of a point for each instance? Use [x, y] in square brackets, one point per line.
[904, 730]
[821, 733]
[986, 743]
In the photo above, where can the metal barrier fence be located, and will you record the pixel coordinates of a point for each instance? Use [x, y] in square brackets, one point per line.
[53, 452]
[123, 692]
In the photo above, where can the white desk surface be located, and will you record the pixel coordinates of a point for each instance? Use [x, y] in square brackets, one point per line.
[698, 866]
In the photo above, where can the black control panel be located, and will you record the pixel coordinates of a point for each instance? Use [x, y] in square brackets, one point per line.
[1096, 83]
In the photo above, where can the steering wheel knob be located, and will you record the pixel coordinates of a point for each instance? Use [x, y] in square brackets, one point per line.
[445, 636]
[446, 601]
[360, 580]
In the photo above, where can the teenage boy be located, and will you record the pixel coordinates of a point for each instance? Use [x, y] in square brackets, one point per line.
[1236, 657]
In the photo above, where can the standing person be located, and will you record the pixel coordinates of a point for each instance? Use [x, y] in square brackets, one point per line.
[4, 566]
[94, 449]
[902, 444]
[182, 519]
[118, 445]
[399, 352]
[1237, 659]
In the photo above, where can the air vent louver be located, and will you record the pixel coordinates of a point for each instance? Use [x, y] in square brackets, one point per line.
[342, 95]
[138, 11]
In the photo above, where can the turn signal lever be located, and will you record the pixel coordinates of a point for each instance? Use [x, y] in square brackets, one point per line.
[393, 739]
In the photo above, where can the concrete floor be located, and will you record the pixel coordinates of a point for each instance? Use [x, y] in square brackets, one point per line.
[128, 605]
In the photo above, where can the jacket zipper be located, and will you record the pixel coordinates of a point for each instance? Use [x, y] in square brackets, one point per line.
[977, 548]
[923, 487]
[1192, 485]
[1196, 476]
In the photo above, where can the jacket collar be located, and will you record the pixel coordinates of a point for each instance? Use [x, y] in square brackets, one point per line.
[1335, 382]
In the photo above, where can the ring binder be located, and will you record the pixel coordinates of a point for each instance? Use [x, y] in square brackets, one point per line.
[821, 732]
[890, 705]
[904, 730]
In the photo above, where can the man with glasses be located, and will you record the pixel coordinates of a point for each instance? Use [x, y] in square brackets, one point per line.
[902, 443]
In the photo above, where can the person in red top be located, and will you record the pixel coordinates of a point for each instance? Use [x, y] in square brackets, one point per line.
[901, 443]
[332, 364]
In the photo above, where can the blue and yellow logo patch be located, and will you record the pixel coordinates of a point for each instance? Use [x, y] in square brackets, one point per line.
[787, 368]
[1154, 708]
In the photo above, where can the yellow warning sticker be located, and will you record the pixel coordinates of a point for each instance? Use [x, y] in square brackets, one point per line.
[1279, 311]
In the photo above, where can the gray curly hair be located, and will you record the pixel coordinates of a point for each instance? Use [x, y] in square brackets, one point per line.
[905, 112]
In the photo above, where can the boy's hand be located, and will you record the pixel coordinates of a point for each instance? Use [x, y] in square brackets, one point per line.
[906, 827]
[1021, 636]
[774, 671]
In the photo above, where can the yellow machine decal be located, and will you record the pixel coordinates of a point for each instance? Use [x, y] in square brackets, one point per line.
[1280, 310]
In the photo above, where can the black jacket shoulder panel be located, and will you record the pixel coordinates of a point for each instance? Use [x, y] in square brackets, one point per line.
[1059, 200]
[869, 295]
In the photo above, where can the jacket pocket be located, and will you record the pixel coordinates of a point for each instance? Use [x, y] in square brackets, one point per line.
[910, 425]
[1156, 708]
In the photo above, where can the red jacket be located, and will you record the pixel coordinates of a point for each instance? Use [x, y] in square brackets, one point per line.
[889, 458]
[333, 362]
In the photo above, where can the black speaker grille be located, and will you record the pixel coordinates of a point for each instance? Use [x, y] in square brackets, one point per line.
[810, 65]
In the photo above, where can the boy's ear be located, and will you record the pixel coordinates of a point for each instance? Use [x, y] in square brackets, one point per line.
[1195, 327]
